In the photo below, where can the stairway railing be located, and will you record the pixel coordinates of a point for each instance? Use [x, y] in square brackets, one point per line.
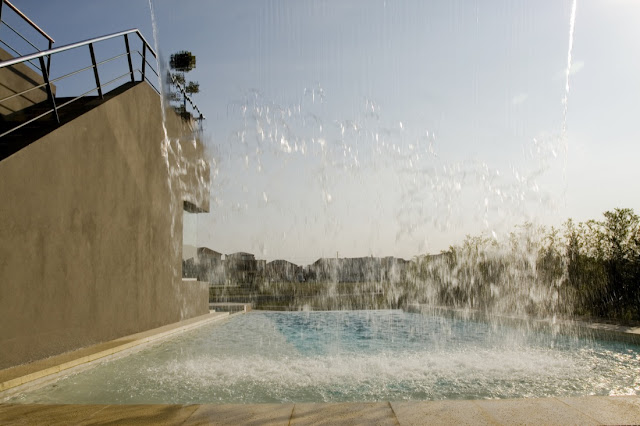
[25, 18]
[97, 87]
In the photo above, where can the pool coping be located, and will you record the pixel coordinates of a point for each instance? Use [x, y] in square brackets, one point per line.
[589, 410]
[16, 379]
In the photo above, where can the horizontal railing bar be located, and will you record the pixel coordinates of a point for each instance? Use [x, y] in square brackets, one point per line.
[148, 80]
[144, 40]
[148, 63]
[132, 72]
[111, 59]
[27, 122]
[115, 79]
[9, 46]
[151, 84]
[154, 71]
[18, 53]
[23, 92]
[70, 74]
[93, 90]
[87, 68]
[20, 35]
[61, 78]
[65, 104]
[77, 97]
[184, 93]
[69, 47]
[29, 21]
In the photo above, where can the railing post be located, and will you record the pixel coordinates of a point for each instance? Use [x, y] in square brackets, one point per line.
[95, 70]
[45, 77]
[144, 59]
[1, 3]
[49, 58]
[126, 42]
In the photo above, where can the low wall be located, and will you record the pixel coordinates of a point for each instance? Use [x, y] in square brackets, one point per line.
[91, 230]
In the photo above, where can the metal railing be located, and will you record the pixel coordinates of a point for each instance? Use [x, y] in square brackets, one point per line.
[143, 71]
[26, 19]
[186, 97]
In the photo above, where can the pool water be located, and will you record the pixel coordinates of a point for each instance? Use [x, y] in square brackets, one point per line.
[265, 357]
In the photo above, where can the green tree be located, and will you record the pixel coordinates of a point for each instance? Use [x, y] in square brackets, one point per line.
[620, 229]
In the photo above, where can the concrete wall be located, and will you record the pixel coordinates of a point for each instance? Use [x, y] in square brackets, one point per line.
[16, 79]
[91, 230]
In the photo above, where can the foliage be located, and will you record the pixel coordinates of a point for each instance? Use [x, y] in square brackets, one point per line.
[181, 62]
[588, 269]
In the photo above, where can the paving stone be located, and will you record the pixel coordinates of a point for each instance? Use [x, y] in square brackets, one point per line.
[374, 413]
[140, 415]
[37, 414]
[608, 409]
[533, 411]
[244, 414]
[440, 413]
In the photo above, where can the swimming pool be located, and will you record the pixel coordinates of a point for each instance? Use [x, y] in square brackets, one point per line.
[264, 357]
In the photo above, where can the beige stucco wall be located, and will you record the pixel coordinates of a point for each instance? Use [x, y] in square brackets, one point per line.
[91, 230]
[15, 79]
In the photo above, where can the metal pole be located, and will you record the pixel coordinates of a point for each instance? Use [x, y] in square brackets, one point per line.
[29, 21]
[45, 77]
[184, 94]
[144, 59]
[126, 42]
[1, 3]
[95, 70]
[49, 58]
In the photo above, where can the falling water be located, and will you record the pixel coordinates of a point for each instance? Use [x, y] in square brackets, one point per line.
[178, 167]
[165, 141]
[500, 271]
[565, 99]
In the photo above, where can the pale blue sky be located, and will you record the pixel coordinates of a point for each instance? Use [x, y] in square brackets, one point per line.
[485, 77]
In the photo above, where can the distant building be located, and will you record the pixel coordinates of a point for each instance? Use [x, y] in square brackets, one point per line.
[358, 269]
[208, 257]
[284, 271]
[207, 265]
[243, 269]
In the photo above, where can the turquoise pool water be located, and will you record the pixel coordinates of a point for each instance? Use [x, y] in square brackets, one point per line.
[264, 357]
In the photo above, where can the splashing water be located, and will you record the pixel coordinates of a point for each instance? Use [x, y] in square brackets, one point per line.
[179, 166]
[394, 173]
[353, 356]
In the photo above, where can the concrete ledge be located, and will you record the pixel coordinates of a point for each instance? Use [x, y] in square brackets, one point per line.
[230, 307]
[548, 411]
[27, 373]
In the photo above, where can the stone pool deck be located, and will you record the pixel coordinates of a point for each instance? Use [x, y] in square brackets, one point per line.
[536, 411]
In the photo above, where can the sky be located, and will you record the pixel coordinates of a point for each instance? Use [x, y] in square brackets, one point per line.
[394, 128]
